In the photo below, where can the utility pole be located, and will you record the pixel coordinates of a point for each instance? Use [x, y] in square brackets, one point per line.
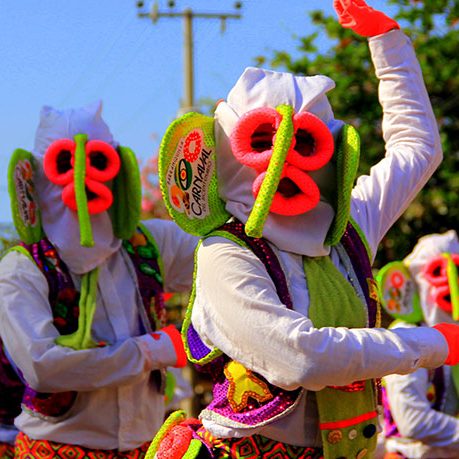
[188, 15]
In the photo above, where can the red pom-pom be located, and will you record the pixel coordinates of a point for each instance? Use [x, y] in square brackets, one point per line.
[175, 444]
[296, 194]
[252, 138]
[98, 195]
[313, 143]
[102, 161]
[58, 161]
[435, 271]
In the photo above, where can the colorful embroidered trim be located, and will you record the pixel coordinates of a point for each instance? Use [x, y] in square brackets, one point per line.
[256, 447]
[27, 448]
[263, 201]
[244, 384]
[197, 352]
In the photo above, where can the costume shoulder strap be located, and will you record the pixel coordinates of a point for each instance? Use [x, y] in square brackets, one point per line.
[354, 243]
[144, 253]
[62, 294]
[197, 351]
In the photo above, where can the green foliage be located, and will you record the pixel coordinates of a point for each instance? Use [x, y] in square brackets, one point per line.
[433, 27]
[8, 237]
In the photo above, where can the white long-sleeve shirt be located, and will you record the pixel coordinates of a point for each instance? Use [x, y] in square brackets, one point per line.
[238, 310]
[425, 433]
[118, 405]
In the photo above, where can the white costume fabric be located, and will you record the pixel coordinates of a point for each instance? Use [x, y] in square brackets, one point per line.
[237, 308]
[118, 405]
[425, 432]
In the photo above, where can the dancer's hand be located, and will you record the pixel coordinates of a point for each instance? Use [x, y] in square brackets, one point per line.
[362, 19]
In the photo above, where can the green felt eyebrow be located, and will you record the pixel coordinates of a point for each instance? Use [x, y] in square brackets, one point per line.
[260, 211]
[86, 237]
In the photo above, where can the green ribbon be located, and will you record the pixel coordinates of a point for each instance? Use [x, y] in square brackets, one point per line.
[86, 239]
[260, 210]
[81, 338]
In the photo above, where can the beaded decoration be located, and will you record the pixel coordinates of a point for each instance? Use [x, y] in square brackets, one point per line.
[398, 292]
[174, 419]
[244, 384]
[187, 175]
[23, 199]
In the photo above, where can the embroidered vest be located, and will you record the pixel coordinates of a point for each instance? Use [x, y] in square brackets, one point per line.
[63, 299]
[262, 403]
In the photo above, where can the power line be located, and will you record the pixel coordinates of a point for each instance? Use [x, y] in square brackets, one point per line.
[187, 15]
[97, 58]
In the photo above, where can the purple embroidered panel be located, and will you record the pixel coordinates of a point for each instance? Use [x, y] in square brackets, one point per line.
[357, 252]
[197, 348]
[63, 299]
[254, 413]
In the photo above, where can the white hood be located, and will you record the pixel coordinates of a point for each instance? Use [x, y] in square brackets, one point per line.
[59, 222]
[303, 234]
[425, 250]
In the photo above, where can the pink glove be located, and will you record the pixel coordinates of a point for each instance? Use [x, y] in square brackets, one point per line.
[362, 19]
[451, 334]
[176, 339]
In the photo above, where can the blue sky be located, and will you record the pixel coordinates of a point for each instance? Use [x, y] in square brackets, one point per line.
[70, 53]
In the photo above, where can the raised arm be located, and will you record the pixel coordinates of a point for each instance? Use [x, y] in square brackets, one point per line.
[412, 141]
[237, 310]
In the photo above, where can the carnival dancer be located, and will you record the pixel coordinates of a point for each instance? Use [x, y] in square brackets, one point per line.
[284, 306]
[421, 408]
[82, 314]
